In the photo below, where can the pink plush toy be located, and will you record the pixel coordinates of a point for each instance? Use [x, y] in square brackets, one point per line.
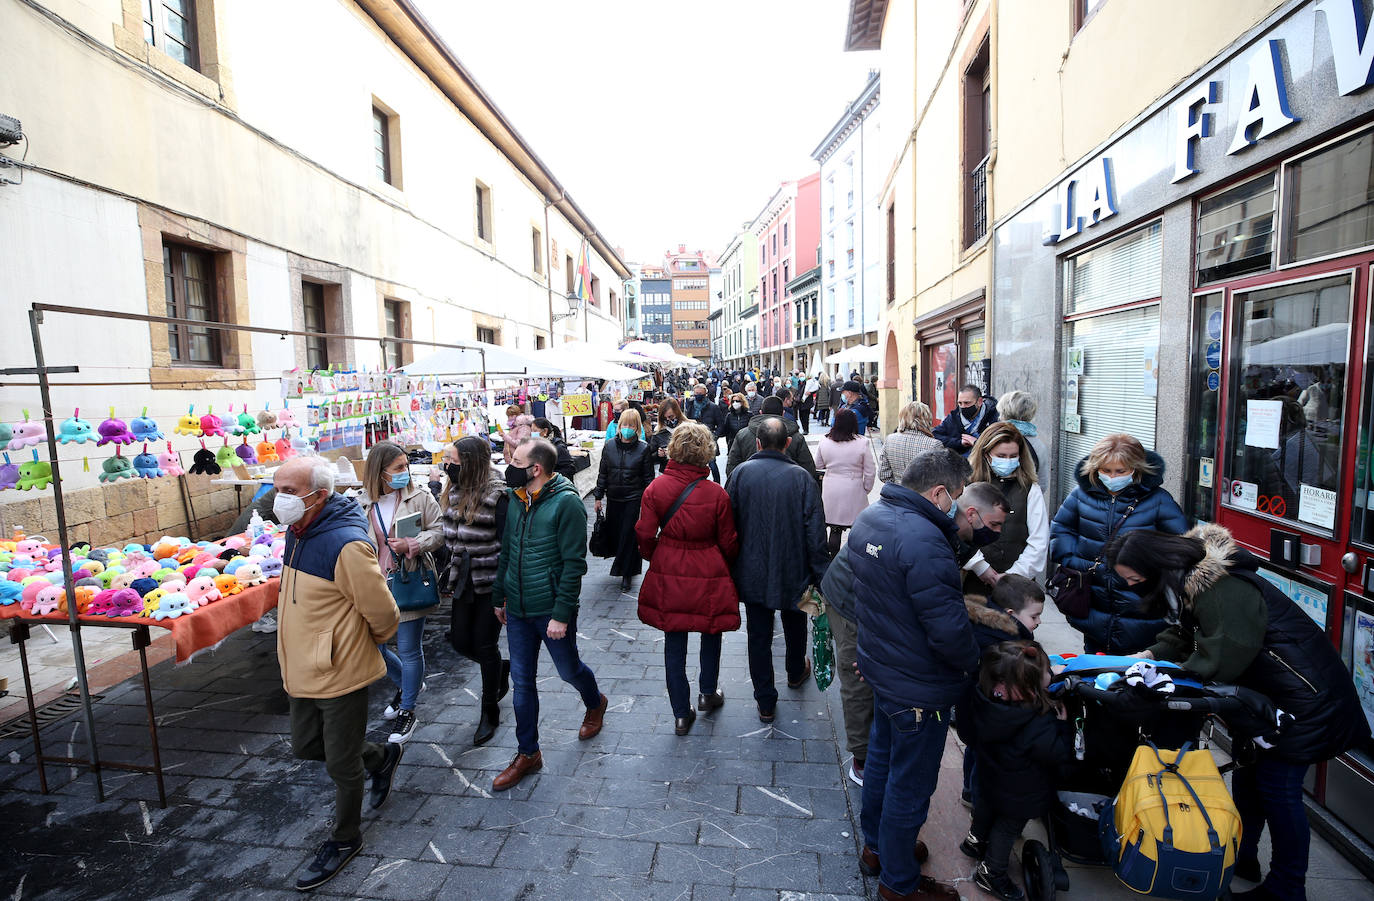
[170, 462]
[30, 593]
[117, 602]
[46, 601]
[27, 434]
[284, 449]
[31, 547]
[143, 569]
[114, 431]
[202, 591]
[285, 418]
[211, 425]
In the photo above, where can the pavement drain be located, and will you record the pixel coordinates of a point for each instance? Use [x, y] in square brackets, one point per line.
[50, 712]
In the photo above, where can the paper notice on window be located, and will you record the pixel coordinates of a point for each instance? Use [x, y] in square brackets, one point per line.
[1262, 422]
[1244, 495]
[1317, 506]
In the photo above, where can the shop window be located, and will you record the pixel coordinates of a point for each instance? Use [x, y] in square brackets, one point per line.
[1329, 200]
[1284, 422]
[942, 389]
[1235, 230]
[190, 285]
[312, 308]
[1204, 389]
[1119, 272]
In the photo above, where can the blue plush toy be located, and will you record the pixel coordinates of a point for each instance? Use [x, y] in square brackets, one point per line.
[10, 592]
[146, 465]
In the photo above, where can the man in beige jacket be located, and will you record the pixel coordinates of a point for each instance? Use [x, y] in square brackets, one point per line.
[334, 608]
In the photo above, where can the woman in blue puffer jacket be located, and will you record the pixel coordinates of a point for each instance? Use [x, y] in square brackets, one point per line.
[1119, 490]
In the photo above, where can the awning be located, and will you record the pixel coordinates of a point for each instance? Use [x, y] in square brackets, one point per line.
[859, 353]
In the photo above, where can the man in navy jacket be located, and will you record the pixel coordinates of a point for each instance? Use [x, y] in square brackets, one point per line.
[917, 651]
[961, 428]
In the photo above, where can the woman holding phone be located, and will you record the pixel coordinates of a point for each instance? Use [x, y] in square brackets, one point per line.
[391, 501]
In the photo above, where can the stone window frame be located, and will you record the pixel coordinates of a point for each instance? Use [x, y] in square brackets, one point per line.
[230, 252]
[405, 325]
[338, 308]
[212, 79]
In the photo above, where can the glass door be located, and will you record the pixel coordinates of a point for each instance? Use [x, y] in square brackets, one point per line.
[1204, 392]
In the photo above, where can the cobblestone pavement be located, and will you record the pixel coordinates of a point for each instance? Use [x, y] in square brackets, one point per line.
[733, 810]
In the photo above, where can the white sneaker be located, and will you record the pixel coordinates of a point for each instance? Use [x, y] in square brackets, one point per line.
[405, 727]
[395, 706]
[855, 775]
[266, 623]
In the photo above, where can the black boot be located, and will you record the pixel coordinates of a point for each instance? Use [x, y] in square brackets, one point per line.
[504, 688]
[486, 726]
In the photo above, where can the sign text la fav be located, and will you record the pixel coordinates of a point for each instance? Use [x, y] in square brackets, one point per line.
[1090, 196]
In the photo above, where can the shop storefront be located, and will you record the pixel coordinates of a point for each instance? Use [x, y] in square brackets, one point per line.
[1206, 283]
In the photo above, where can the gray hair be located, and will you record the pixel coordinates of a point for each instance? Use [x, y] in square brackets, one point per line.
[1016, 405]
[937, 467]
[322, 474]
[771, 434]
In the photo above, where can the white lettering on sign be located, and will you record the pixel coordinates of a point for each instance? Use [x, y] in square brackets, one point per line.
[1194, 124]
[1351, 49]
[1265, 98]
[1084, 200]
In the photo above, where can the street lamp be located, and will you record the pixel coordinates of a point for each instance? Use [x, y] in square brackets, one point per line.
[574, 304]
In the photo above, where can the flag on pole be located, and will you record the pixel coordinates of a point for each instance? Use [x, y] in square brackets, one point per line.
[584, 276]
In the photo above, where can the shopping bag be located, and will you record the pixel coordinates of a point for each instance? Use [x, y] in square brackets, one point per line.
[822, 640]
[600, 544]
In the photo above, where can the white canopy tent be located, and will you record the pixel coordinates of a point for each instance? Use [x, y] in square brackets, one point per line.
[859, 353]
[660, 353]
[607, 352]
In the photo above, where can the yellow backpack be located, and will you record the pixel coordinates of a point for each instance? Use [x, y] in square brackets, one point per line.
[1173, 830]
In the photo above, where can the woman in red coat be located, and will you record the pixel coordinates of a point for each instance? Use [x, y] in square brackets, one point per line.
[688, 586]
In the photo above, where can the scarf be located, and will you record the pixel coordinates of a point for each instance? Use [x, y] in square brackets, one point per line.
[971, 426]
[1025, 428]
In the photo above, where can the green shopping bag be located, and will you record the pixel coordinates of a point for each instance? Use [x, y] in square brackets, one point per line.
[822, 640]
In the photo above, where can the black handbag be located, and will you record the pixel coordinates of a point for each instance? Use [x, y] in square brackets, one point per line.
[600, 544]
[1072, 589]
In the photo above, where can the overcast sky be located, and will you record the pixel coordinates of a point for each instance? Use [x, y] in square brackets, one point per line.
[667, 122]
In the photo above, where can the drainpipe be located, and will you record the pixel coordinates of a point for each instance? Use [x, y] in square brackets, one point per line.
[993, 32]
[548, 260]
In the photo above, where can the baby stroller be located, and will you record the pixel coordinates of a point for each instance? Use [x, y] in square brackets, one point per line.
[1115, 704]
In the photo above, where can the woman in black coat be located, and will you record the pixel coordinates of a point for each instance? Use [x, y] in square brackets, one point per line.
[1232, 625]
[670, 416]
[736, 418]
[627, 468]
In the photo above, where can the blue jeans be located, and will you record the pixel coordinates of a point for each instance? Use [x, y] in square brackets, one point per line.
[903, 766]
[406, 665]
[523, 636]
[675, 668]
[1270, 793]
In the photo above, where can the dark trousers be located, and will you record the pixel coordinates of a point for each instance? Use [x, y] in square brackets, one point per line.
[334, 730]
[524, 636]
[836, 536]
[999, 831]
[474, 633]
[904, 751]
[822, 416]
[675, 668]
[805, 416]
[759, 623]
[621, 517]
[1270, 794]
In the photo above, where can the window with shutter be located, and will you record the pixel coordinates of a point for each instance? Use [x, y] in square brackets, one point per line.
[1120, 272]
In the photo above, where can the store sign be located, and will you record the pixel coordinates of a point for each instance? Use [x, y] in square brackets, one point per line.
[1259, 106]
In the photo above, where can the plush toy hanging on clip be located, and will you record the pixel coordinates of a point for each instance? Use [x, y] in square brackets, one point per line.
[170, 462]
[146, 465]
[284, 449]
[225, 456]
[210, 424]
[37, 474]
[247, 424]
[267, 419]
[77, 429]
[117, 467]
[27, 433]
[9, 474]
[285, 418]
[189, 424]
[267, 452]
[112, 431]
[203, 463]
[146, 428]
[245, 451]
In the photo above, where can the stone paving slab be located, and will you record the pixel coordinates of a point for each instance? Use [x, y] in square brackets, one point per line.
[735, 810]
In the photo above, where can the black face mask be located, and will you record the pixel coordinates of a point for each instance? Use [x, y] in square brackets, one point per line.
[984, 535]
[517, 477]
[452, 470]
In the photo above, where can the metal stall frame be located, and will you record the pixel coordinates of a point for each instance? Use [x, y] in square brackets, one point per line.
[19, 632]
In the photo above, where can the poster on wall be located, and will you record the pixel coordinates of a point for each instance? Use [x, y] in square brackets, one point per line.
[1073, 423]
[1071, 394]
[1362, 662]
[1206, 472]
[1317, 506]
[1149, 385]
[1244, 495]
[1262, 422]
[1074, 361]
[577, 405]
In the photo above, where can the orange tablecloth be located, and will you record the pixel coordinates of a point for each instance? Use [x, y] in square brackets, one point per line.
[192, 632]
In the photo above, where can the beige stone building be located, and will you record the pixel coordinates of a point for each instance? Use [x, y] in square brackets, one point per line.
[322, 166]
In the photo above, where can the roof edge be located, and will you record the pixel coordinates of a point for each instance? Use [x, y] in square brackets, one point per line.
[865, 31]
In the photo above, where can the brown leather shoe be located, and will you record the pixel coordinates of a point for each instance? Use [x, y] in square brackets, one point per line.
[806, 674]
[869, 864]
[519, 768]
[591, 723]
[926, 890]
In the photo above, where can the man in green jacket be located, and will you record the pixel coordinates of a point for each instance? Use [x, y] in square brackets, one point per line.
[538, 583]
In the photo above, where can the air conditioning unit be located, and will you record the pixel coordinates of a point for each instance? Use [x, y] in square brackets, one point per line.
[10, 131]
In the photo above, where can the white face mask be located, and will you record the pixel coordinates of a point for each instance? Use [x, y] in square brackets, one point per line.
[288, 509]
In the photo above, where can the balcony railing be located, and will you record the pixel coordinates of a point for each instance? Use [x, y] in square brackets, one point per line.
[978, 203]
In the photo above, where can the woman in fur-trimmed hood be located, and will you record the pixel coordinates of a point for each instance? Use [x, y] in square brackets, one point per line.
[1230, 624]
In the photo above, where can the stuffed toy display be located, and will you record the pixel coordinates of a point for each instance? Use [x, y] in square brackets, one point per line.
[27, 434]
[174, 605]
[247, 424]
[146, 465]
[9, 474]
[170, 462]
[204, 463]
[284, 449]
[226, 457]
[245, 452]
[211, 426]
[267, 419]
[188, 425]
[267, 452]
[76, 429]
[146, 429]
[6, 435]
[37, 474]
[117, 467]
[114, 431]
[285, 418]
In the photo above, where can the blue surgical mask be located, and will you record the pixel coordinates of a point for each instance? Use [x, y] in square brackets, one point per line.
[400, 480]
[1004, 466]
[627, 434]
[953, 510]
[1116, 483]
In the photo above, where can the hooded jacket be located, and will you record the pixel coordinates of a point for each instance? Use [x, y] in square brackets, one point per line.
[1119, 622]
[1236, 626]
[916, 645]
[746, 444]
[543, 553]
[993, 625]
[777, 509]
[334, 607]
[1020, 752]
